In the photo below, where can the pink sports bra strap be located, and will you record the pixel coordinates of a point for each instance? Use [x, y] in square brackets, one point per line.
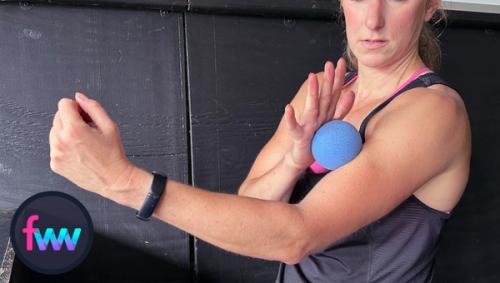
[411, 79]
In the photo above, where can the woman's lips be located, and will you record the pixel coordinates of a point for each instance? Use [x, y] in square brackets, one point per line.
[373, 44]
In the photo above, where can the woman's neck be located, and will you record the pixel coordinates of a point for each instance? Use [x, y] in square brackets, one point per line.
[374, 84]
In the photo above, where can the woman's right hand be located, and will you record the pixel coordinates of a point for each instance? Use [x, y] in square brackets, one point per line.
[322, 104]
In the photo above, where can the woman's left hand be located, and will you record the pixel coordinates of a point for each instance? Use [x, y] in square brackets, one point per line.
[85, 147]
[322, 104]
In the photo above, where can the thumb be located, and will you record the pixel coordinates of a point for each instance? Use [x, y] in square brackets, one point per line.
[291, 124]
[93, 110]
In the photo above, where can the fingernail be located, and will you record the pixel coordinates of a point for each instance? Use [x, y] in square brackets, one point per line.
[80, 96]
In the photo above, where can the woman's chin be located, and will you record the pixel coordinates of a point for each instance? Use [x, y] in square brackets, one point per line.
[373, 60]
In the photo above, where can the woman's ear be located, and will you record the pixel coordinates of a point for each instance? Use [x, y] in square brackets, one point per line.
[431, 8]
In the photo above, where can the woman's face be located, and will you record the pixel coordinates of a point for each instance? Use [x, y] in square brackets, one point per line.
[382, 32]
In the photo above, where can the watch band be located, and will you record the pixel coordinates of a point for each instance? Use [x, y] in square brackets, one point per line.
[152, 198]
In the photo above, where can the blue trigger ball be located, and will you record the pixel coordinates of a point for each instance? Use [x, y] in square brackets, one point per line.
[335, 143]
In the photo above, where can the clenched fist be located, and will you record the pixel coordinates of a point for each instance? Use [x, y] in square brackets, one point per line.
[85, 147]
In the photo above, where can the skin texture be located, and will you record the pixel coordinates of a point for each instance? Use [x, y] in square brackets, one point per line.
[411, 149]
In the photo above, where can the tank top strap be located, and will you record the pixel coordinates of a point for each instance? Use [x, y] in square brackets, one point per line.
[349, 77]
[424, 80]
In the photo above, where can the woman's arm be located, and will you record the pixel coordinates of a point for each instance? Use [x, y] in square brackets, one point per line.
[248, 226]
[275, 172]
[410, 146]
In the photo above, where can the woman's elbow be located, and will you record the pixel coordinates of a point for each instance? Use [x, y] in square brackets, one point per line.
[293, 257]
[298, 247]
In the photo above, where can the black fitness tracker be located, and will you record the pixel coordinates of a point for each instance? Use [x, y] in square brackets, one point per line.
[151, 200]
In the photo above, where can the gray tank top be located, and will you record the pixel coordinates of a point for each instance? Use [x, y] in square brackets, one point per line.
[399, 247]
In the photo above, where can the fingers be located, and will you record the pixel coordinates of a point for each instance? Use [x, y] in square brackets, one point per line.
[338, 84]
[68, 112]
[339, 75]
[321, 101]
[310, 112]
[56, 128]
[84, 115]
[56, 147]
[291, 123]
[95, 112]
[326, 91]
[57, 123]
[344, 105]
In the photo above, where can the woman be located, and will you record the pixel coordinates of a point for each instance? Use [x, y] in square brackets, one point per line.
[376, 218]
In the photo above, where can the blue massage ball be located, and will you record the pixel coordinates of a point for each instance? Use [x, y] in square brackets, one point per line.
[335, 143]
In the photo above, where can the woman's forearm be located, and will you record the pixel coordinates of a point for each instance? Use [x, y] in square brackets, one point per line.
[277, 184]
[264, 229]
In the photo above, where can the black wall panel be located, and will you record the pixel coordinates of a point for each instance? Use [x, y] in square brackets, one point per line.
[242, 72]
[169, 5]
[288, 8]
[470, 248]
[131, 61]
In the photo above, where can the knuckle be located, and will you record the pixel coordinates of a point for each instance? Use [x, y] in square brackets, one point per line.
[72, 132]
[55, 141]
[314, 111]
[54, 119]
[55, 156]
[56, 145]
[63, 101]
[59, 146]
[52, 134]
[55, 164]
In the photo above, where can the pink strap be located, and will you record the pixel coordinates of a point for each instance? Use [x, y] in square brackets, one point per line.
[350, 81]
[411, 79]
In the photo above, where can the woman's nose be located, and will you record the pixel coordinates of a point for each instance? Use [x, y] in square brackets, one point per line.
[375, 14]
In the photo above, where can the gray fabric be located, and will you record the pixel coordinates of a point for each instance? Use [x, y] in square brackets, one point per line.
[399, 247]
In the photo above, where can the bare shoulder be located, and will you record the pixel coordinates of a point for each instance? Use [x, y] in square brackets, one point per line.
[439, 104]
[439, 116]
[435, 110]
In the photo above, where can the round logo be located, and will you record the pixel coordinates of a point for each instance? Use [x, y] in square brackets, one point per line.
[51, 232]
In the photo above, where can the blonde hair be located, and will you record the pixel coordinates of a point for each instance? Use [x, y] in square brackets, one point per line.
[428, 42]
